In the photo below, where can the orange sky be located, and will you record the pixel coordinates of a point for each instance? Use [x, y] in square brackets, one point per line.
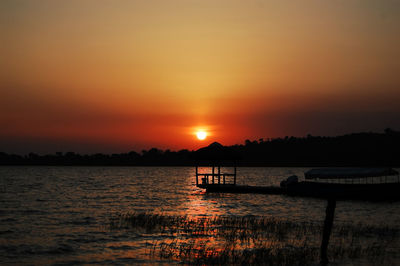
[114, 76]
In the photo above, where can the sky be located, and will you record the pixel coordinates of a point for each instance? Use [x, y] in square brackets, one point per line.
[115, 76]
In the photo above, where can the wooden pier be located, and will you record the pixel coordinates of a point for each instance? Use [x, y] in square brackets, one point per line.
[244, 189]
[225, 182]
[215, 177]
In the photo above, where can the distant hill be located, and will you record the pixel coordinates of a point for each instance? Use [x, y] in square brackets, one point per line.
[358, 149]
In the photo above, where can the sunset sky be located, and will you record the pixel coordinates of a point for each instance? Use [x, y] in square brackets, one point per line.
[115, 76]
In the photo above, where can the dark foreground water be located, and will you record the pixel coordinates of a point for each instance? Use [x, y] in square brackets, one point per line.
[60, 215]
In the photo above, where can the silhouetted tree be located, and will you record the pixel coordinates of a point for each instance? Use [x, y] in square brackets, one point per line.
[357, 149]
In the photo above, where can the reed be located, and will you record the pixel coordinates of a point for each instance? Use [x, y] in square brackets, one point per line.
[256, 240]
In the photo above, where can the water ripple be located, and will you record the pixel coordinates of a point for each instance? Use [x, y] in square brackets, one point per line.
[59, 215]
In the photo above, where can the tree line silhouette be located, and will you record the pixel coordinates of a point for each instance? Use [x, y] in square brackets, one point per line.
[357, 149]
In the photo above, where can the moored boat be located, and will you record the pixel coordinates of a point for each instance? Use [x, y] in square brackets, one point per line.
[348, 183]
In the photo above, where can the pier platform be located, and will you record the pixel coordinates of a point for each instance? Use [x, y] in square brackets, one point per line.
[231, 188]
[225, 182]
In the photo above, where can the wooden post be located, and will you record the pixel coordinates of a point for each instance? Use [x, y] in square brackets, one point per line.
[213, 174]
[219, 174]
[330, 213]
[234, 177]
[197, 175]
[223, 178]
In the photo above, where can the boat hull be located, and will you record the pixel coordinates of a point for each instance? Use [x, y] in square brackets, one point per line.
[384, 191]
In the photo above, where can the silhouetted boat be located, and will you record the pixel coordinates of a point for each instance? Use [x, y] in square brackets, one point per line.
[347, 183]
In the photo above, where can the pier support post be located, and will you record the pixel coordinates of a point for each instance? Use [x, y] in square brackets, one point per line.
[219, 174]
[213, 174]
[330, 213]
[234, 175]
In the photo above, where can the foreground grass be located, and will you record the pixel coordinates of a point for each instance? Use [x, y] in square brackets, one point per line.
[256, 240]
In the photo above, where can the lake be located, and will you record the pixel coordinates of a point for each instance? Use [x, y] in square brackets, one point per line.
[60, 215]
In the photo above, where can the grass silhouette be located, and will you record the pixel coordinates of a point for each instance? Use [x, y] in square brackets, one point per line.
[256, 240]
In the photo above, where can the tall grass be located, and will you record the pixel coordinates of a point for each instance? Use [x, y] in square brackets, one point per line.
[256, 240]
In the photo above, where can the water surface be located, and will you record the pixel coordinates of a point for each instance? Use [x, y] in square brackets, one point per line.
[61, 214]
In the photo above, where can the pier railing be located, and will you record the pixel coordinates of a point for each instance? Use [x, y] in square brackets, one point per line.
[216, 177]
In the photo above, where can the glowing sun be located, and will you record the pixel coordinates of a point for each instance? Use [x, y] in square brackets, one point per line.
[201, 135]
